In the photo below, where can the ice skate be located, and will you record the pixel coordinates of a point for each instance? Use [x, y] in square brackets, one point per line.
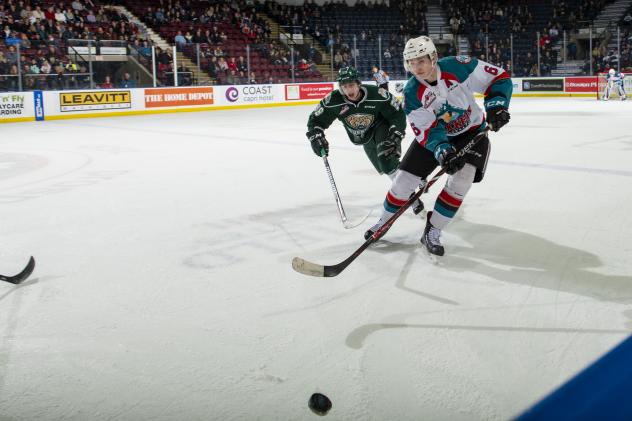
[431, 238]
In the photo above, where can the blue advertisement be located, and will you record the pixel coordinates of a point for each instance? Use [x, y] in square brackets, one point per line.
[39, 105]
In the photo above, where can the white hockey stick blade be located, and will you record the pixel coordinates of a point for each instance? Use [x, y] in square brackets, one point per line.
[307, 268]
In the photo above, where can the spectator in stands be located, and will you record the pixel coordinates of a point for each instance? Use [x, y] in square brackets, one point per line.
[90, 17]
[184, 76]
[242, 78]
[242, 65]
[216, 37]
[232, 64]
[67, 33]
[212, 67]
[12, 80]
[49, 14]
[221, 64]
[127, 81]
[60, 16]
[232, 78]
[545, 40]
[37, 14]
[24, 41]
[387, 55]
[12, 39]
[180, 40]
[107, 83]
[164, 56]
[70, 16]
[198, 38]
[160, 16]
[45, 68]
[77, 6]
[253, 79]
[12, 55]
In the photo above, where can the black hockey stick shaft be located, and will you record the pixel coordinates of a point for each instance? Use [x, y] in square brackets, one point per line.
[309, 268]
[336, 269]
[26, 272]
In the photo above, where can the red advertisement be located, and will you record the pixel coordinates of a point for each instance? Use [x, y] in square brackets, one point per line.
[580, 84]
[308, 91]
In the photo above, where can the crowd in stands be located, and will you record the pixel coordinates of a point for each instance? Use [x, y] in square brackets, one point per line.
[43, 32]
[488, 24]
[348, 44]
[218, 34]
[605, 56]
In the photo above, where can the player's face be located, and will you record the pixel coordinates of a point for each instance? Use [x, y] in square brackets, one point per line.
[351, 90]
[423, 68]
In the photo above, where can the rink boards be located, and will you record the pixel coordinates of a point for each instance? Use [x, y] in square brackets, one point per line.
[56, 105]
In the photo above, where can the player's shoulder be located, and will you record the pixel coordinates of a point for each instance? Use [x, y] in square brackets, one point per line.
[375, 93]
[413, 92]
[333, 99]
[411, 86]
[460, 66]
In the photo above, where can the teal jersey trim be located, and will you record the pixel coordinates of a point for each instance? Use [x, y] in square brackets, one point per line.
[461, 67]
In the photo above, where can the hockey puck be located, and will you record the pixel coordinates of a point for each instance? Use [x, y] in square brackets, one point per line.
[319, 404]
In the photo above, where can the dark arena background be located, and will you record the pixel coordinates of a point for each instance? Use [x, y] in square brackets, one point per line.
[156, 166]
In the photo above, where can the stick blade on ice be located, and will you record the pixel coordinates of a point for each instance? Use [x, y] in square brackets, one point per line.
[307, 268]
[26, 272]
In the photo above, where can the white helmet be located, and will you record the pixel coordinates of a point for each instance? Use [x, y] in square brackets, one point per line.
[611, 71]
[419, 47]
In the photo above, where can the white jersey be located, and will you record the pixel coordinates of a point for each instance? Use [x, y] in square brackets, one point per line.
[440, 111]
[380, 77]
[617, 78]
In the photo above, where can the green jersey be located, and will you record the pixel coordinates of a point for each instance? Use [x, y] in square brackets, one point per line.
[377, 107]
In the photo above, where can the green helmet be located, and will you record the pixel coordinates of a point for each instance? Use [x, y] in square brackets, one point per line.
[348, 74]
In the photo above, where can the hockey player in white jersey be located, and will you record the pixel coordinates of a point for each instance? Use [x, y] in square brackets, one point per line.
[615, 81]
[442, 112]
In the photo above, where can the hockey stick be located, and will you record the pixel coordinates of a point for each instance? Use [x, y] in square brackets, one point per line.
[313, 269]
[26, 272]
[341, 209]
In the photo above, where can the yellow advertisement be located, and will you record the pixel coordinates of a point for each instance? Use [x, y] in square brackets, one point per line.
[95, 100]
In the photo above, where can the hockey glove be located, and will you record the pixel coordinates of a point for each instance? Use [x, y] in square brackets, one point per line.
[497, 117]
[392, 145]
[448, 158]
[319, 143]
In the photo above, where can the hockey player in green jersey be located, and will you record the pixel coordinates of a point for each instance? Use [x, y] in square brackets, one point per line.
[372, 117]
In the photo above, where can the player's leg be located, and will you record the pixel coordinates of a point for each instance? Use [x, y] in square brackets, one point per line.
[386, 164]
[416, 165]
[451, 197]
[622, 95]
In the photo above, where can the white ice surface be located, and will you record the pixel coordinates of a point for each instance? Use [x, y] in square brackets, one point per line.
[164, 288]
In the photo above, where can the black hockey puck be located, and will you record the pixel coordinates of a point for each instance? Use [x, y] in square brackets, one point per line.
[319, 404]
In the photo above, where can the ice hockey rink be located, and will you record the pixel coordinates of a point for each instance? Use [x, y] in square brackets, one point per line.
[164, 288]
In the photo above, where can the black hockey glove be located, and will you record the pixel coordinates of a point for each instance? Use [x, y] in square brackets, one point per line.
[497, 117]
[448, 158]
[319, 143]
[392, 145]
